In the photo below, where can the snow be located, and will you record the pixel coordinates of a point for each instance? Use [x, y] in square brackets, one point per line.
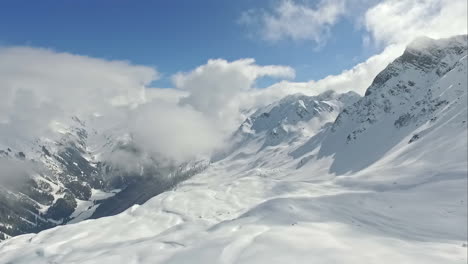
[312, 197]
[268, 215]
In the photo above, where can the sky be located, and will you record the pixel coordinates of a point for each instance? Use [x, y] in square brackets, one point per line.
[175, 35]
[179, 76]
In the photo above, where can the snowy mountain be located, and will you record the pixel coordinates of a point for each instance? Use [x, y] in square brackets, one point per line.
[413, 96]
[290, 119]
[325, 179]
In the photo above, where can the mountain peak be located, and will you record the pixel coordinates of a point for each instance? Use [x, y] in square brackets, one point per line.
[426, 82]
[423, 54]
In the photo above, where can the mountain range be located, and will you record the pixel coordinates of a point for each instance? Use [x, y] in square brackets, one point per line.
[331, 178]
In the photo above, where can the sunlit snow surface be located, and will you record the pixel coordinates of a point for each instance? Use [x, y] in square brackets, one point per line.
[281, 203]
[270, 215]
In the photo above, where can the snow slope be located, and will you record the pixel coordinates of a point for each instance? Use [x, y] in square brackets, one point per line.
[384, 183]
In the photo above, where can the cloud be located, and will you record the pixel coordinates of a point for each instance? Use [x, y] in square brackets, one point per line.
[356, 79]
[39, 86]
[214, 88]
[290, 20]
[193, 119]
[166, 94]
[173, 132]
[400, 21]
[160, 133]
[13, 171]
[42, 89]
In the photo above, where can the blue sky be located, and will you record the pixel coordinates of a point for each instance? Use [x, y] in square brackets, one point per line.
[173, 36]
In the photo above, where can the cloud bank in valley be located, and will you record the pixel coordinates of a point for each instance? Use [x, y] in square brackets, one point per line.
[39, 86]
[43, 89]
[215, 88]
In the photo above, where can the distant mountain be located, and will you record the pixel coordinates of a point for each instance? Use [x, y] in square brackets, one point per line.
[287, 120]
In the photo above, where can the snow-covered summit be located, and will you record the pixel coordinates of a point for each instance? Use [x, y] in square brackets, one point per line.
[420, 87]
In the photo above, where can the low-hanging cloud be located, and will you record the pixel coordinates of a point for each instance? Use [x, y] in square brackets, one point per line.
[214, 88]
[174, 132]
[400, 21]
[15, 171]
[356, 79]
[39, 86]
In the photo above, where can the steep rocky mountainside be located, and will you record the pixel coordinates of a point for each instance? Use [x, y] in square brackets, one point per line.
[414, 95]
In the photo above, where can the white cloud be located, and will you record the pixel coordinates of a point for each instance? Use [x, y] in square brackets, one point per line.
[400, 21]
[356, 79]
[173, 132]
[291, 20]
[14, 171]
[39, 86]
[166, 94]
[214, 88]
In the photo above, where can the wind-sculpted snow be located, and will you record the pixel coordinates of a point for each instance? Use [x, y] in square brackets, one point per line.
[395, 191]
